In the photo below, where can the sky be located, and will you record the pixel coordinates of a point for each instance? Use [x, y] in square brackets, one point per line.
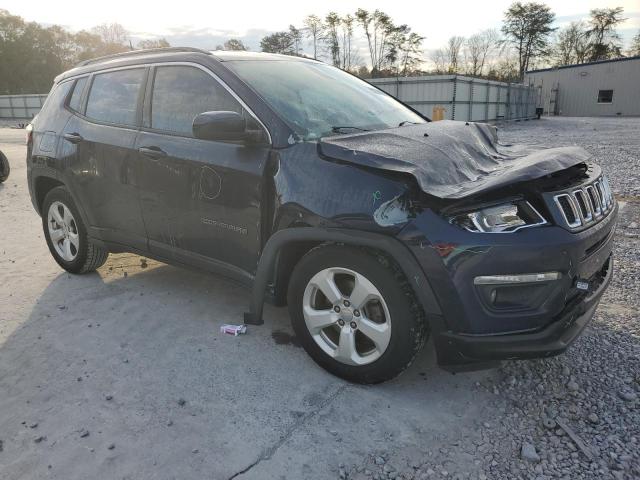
[207, 24]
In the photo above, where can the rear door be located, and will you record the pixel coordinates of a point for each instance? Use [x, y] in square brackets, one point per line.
[200, 199]
[101, 136]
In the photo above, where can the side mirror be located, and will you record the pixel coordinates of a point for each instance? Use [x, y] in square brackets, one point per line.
[219, 125]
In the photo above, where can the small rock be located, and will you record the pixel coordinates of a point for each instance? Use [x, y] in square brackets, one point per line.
[84, 433]
[169, 423]
[182, 402]
[39, 439]
[143, 263]
[111, 446]
[627, 396]
[195, 450]
[33, 425]
[593, 418]
[573, 386]
[528, 452]
[379, 460]
[108, 398]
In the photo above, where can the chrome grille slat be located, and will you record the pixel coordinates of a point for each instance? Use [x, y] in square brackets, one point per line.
[586, 204]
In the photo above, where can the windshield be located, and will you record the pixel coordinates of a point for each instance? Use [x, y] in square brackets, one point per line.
[318, 100]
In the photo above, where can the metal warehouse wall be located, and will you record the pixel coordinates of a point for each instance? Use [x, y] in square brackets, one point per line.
[463, 98]
[573, 91]
[20, 106]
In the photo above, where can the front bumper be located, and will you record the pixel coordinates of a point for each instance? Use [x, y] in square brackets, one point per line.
[470, 332]
[458, 350]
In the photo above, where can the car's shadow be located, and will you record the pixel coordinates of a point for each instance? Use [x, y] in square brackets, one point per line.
[149, 338]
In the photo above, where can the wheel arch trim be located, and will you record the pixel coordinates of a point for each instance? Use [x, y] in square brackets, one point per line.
[389, 245]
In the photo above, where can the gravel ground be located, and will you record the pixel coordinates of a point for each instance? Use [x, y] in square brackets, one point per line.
[156, 367]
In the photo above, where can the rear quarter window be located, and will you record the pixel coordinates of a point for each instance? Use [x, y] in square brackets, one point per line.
[52, 105]
[113, 97]
[76, 96]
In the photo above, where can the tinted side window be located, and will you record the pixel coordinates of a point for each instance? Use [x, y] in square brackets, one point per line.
[74, 102]
[180, 93]
[113, 96]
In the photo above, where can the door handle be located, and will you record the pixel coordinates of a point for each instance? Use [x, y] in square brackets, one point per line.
[152, 152]
[73, 137]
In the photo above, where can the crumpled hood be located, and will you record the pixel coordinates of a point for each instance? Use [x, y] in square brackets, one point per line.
[451, 159]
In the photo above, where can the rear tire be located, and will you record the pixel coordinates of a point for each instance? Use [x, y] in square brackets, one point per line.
[5, 168]
[355, 313]
[66, 234]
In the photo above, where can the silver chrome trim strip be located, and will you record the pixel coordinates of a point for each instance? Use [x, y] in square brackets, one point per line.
[191, 64]
[517, 278]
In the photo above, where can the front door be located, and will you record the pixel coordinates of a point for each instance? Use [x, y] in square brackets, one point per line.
[201, 200]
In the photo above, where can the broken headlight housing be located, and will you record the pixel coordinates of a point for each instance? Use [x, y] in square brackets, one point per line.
[503, 218]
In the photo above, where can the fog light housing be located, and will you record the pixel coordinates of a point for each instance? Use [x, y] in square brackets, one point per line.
[516, 292]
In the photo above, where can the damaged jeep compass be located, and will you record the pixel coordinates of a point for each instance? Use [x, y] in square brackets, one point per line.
[377, 227]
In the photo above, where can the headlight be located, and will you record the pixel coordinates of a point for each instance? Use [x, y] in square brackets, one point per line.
[504, 218]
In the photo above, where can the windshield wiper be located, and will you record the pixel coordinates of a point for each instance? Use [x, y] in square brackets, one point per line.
[402, 124]
[340, 129]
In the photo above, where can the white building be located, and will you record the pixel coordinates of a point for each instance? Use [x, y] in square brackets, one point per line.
[608, 87]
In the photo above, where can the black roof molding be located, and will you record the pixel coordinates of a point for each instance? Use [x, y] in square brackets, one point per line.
[579, 65]
[145, 51]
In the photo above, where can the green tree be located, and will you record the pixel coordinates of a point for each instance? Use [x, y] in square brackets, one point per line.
[332, 24]
[528, 27]
[233, 44]
[279, 42]
[605, 42]
[296, 39]
[634, 49]
[377, 27]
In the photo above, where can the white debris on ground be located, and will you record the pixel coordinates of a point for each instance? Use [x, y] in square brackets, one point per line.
[575, 416]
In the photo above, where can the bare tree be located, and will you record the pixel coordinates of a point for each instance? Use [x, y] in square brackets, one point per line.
[478, 48]
[527, 27]
[439, 59]
[112, 33]
[159, 43]
[452, 51]
[605, 41]
[571, 44]
[315, 31]
[346, 27]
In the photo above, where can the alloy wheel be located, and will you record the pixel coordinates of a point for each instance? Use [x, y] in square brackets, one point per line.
[346, 316]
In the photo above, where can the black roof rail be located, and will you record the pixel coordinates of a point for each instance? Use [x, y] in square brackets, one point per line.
[142, 52]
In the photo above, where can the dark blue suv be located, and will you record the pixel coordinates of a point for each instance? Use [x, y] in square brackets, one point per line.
[315, 189]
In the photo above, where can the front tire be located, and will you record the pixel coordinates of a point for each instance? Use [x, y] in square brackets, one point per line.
[355, 313]
[66, 234]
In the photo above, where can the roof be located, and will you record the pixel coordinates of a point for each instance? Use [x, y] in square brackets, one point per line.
[580, 65]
